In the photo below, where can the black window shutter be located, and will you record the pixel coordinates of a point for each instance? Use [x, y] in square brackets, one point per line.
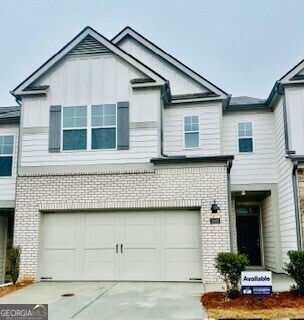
[123, 126]
[55, 129]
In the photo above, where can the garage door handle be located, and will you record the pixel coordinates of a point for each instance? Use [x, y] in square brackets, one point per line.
[117, 248]
[121, 248]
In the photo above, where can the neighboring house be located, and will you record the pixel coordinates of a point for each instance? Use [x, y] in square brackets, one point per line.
[123, 150]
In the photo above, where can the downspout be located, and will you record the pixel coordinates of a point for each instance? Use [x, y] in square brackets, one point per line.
[166, 96]
[296, 201]
[229, 166]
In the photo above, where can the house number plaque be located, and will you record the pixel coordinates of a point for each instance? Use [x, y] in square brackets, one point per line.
[215, 220]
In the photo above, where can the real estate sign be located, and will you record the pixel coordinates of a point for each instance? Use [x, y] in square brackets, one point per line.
[256, 283]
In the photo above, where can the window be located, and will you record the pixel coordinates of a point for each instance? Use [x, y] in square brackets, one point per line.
[81, 134]
[74, 126]
[104, 126]
[6, 155]
[245, 137]
[191, 132]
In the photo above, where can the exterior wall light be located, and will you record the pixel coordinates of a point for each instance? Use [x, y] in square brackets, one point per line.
[243, 193]
[215, 207]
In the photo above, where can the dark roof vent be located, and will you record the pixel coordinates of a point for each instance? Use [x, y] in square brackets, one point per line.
[89, 45]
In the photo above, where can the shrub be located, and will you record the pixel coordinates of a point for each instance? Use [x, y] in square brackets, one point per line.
[13, 256]
[230, 265]
[295, 268]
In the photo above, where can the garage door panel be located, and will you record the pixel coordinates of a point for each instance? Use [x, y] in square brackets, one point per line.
[139, 255]
[59, 264]
[145, 218]
[181, 217]
[180, 234]
[105, 218]
[97, 255]
[60, 235]
[100, 234]
[140, 234]
[182, 255]
[182, 272]
[147, 271]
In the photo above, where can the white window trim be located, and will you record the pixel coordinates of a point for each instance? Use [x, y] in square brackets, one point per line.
[89, 128]
[198, 131]
[252, 137]
[13, 155]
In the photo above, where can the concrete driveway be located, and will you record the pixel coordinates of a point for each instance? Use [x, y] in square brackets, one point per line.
[114, 300]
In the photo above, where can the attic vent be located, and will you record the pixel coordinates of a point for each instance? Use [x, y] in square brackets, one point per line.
[89, 45]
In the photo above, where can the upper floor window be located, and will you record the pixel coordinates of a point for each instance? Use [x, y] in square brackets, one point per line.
[6, 155]
[245, 137]
[191, 131]
[97, 133]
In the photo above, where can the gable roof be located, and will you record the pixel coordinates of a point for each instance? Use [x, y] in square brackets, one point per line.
[129, 32]
[25, 86]
[294, 75]
[10, 114]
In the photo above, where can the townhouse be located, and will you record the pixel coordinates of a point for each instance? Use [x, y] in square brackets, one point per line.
[122, 163]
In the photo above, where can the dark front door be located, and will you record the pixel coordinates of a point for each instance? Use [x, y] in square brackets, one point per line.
[248, 237]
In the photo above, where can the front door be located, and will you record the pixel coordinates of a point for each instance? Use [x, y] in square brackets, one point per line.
[248, 234]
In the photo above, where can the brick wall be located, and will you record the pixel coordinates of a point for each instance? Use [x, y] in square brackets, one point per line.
[162, 187]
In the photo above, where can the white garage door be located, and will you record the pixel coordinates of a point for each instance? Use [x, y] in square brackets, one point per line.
[146, 245]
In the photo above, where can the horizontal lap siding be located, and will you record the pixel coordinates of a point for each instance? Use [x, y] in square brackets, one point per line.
[210, 129]
[256, 167]
[285, 188]
[143, 146]
[8, 184]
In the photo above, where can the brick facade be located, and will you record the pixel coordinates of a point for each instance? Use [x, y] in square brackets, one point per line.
[161, 187]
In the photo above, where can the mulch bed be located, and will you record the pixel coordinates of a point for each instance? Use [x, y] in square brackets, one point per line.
[280, 304]
[13, 287]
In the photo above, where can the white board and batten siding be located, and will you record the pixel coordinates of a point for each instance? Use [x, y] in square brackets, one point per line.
[87, 81]
[8, 184]
[210, 120]
[3, 239]
[285, 188]
[258, 166]
[295, 116]
[180, 83]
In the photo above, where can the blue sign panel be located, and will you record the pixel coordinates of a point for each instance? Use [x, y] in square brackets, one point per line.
[257, 290]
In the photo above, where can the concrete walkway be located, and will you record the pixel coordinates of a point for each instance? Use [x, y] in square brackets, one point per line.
[114, 300]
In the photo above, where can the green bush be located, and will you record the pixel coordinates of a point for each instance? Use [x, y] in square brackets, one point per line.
[230, 265]
[295, 268]
[13, 257]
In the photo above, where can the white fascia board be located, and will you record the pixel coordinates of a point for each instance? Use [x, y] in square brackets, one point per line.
[174, 62]
[174, 102]
[58, 56]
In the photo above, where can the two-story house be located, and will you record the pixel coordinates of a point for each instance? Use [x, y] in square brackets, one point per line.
[128, 165]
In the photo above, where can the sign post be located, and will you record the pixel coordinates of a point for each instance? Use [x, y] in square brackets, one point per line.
[256, 283]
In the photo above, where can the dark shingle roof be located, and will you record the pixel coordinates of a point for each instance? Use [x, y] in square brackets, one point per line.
[243, 100]
[9, 114]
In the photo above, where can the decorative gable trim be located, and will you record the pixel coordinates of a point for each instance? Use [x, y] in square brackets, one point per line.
[294, 75]
[20, 90]
[129, 32]
[89, 45]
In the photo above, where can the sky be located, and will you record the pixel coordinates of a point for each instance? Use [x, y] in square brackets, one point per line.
[242, 46]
